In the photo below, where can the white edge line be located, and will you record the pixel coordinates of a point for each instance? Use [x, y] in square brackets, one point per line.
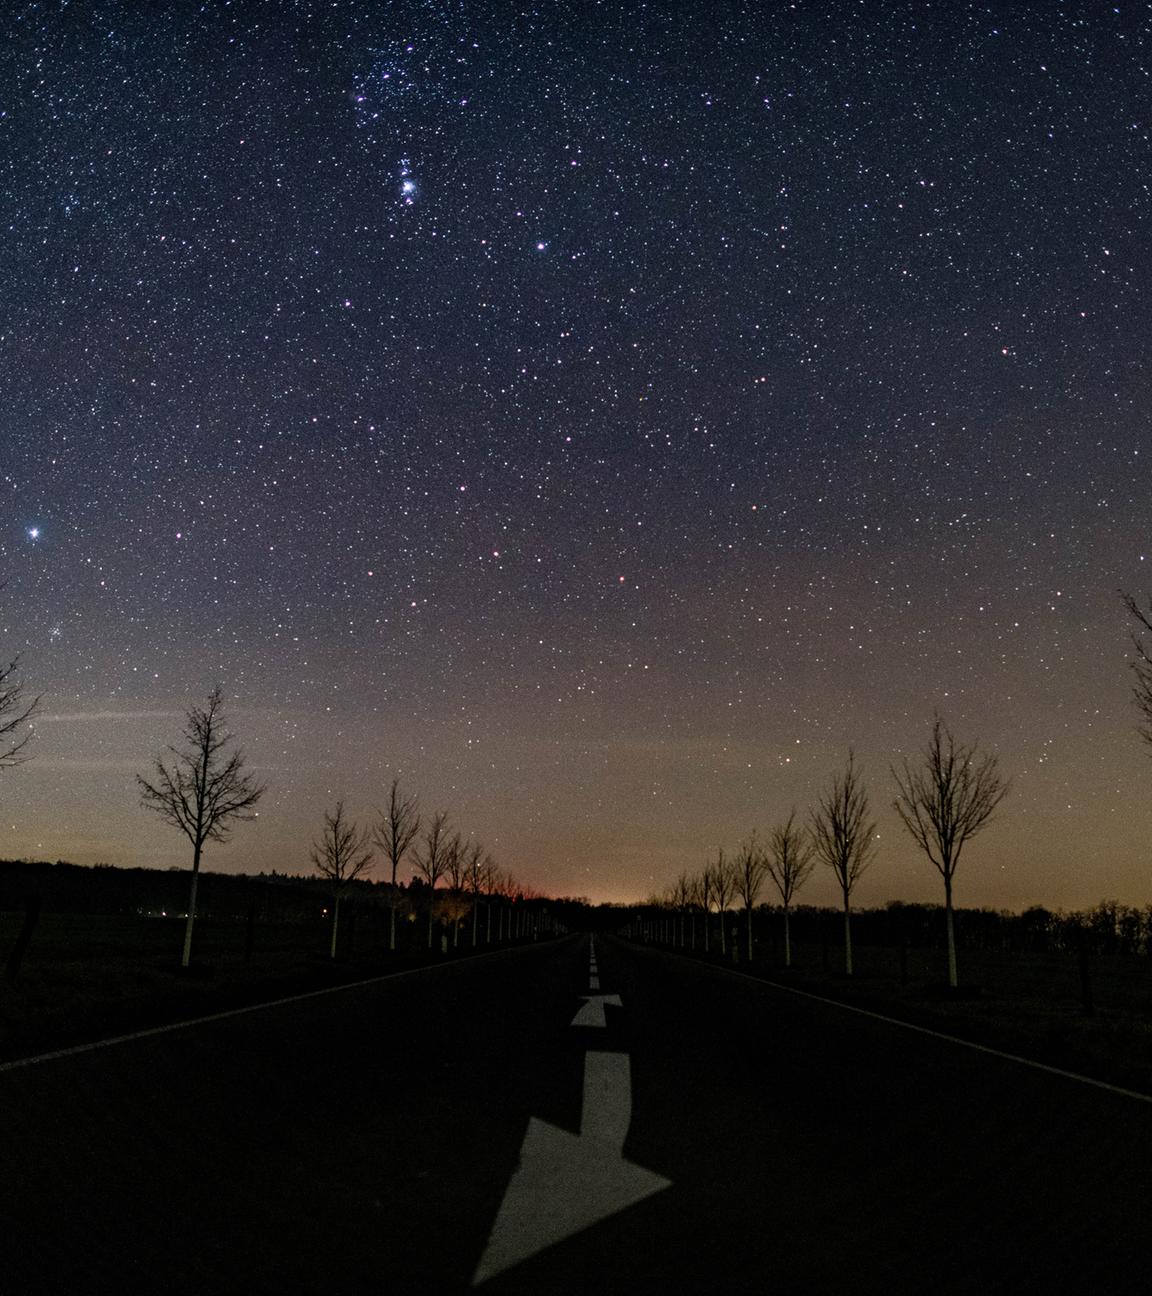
[923, 1030]
[17, 1063]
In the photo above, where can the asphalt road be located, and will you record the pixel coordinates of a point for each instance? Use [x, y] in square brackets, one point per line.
[510, 1117]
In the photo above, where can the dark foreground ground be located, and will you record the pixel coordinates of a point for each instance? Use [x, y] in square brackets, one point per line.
[363, 1141]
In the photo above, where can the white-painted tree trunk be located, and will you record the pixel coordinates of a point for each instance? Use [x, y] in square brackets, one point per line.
[847, 939]
[953, 981]
[335, 925]
[186, 956]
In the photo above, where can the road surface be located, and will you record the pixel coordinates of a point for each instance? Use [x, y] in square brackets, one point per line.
[571, 1117]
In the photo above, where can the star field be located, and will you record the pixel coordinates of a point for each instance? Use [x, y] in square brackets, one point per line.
[602, 415]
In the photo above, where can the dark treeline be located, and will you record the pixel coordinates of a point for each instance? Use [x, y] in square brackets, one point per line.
[62, 887]
[1108, 928]
[73, 888]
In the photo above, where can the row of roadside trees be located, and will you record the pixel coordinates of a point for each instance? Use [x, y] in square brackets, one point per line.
[203, 789]
[943, 801]
[436, 855]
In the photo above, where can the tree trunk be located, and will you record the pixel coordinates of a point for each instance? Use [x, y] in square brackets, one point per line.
[475, 919]
[847, 937]
[335, 925]
[723, 936]
[787, 940]
[23, 940]
[431, 906]
[250, 931]
[392, 926]
[186, 957]
[749, 933]
[488, 922]
[950, 928]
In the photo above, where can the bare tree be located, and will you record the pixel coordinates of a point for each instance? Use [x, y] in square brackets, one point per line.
[430, 862]
[456, 869]
[341, 855]
[1141, 666]
[682, 902]
[474, 883]
[944, 803]
[790, 863]
[748, 877]
[723, 890]
[203, 790]
[396, 829]
[842, 836]
[489, 872]
[15, 712]
[704, 899]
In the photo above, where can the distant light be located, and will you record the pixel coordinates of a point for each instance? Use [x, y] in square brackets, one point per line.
[33, 533]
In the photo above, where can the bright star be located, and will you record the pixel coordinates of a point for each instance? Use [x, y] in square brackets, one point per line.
[33, 533]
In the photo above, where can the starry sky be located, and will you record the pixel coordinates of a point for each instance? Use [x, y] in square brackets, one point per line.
[600, 415]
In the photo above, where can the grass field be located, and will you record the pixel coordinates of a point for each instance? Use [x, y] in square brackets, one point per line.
[1026, 1003]
[86, 977]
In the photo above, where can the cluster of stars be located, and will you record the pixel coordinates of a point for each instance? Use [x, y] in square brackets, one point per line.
[671, 384]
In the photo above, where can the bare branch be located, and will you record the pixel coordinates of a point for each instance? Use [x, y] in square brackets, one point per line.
[842, 831]
[199, 791]
[1141, 666]
[948, 799]
[791, 859]
[397, 826]
[343, 853]
[15, 712]
[748, 870]
[431, 862]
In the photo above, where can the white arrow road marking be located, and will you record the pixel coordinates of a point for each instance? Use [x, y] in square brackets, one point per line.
[564, 1183]
[592, 1010]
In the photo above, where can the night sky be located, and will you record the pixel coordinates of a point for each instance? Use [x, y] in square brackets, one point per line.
[600, 415]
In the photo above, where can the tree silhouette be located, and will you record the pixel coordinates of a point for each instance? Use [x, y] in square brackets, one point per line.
[203, 790]
[748, 874]
[431, 862]
[703, 893]
[396, 830]
[723, 886]
[456, 869]
[341, 855]
[1141, 666]
[474, 883]
[945, 802]
[790, 863]
[15, 712]
[842, 835]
